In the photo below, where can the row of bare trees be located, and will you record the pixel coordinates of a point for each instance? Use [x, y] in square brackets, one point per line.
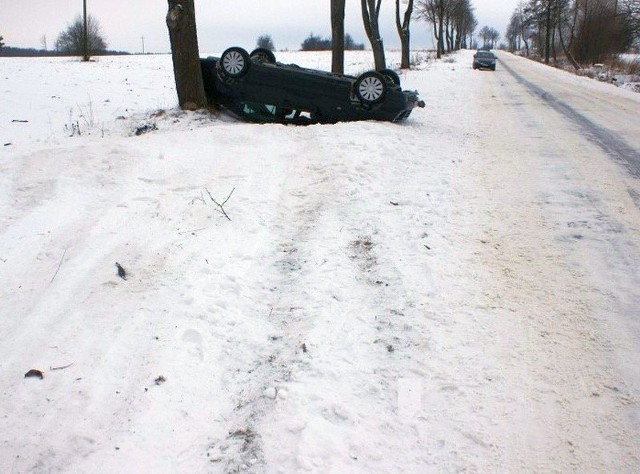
[489, 37]
[370, 19]
[584, 31]
[453, 23]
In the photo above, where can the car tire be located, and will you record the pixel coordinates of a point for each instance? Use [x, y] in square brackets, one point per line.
[391, 76]
[263, 55]
[235, 62]
[370, 88]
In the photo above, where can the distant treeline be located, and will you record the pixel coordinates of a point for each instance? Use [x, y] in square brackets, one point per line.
[8, 51]
[318, 43]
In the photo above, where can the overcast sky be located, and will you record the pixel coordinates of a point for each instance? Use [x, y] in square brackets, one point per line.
[221, 23]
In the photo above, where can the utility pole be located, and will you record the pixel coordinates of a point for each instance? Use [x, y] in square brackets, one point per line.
[85, 41]
[142, 37]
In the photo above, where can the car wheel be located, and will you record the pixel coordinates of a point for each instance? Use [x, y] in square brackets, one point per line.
[263, 55]
[370, 88]
[235, 62]
[391, 76]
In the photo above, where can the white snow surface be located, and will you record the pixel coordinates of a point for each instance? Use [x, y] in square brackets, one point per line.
[457, 293]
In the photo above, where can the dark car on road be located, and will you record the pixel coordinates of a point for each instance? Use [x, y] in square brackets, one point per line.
[258, 89]
[484, 60]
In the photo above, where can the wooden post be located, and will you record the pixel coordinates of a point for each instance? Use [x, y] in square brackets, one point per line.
[181, 21]
[85, 33]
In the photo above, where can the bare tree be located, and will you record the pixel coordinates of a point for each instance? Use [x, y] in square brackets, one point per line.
[587, 31]
[315, 43]
[434, 11]
[489, 36]
[465, 22]
[337, 36]
[440, 9]
[73, 41]
[631, 9]
[351, 45]
[565, 25]
[600, 33]
[370, 16]
[181, 21]
[404, 32]
[547, 6]
[265, 42]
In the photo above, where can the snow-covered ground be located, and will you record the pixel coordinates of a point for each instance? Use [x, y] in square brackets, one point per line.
[458, 293]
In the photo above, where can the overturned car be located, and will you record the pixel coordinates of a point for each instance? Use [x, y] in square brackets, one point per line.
[258, 89]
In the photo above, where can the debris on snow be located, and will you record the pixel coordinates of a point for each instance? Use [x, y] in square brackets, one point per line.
[122, 273]
[34, 373]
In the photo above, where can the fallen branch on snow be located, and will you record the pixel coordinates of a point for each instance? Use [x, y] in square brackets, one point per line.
[62, 367]
[59, 265]
[221, 206]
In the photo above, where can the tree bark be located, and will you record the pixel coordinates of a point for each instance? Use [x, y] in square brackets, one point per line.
[440, 51]
[337, 36]
[567, 48]
[547, 36]
[181, 21]
[405, 33]
[370, 15]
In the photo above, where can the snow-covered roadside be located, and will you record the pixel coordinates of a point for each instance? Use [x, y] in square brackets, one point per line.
[384, 298]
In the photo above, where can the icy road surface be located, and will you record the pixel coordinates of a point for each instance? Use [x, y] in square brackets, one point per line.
[459, 293]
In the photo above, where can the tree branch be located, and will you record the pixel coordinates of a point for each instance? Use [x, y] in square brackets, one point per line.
[221, 206]
[59, 265]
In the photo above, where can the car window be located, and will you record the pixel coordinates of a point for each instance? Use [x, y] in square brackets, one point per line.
[260, 112]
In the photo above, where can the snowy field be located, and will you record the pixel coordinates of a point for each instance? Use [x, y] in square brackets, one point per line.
[457, 293]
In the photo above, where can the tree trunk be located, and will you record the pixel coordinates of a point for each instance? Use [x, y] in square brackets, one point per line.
[337, 36]
[547, 37]
[440, 51]
[404, 33]
[567, 50]
[181, 21]
[370, 15]
[437, 38]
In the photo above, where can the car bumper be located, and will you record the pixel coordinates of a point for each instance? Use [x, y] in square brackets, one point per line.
[484, 64]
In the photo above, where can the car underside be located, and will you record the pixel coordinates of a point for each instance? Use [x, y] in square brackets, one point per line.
[258, 89]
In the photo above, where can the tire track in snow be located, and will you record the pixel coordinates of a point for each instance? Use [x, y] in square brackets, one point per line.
[293, 262]
[610, 142]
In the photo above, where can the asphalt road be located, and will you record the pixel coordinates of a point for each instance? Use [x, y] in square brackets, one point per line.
[603, 116]
[561, 158]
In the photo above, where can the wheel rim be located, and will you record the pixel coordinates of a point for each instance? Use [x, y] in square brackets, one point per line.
[371, 88]
[233, 63]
